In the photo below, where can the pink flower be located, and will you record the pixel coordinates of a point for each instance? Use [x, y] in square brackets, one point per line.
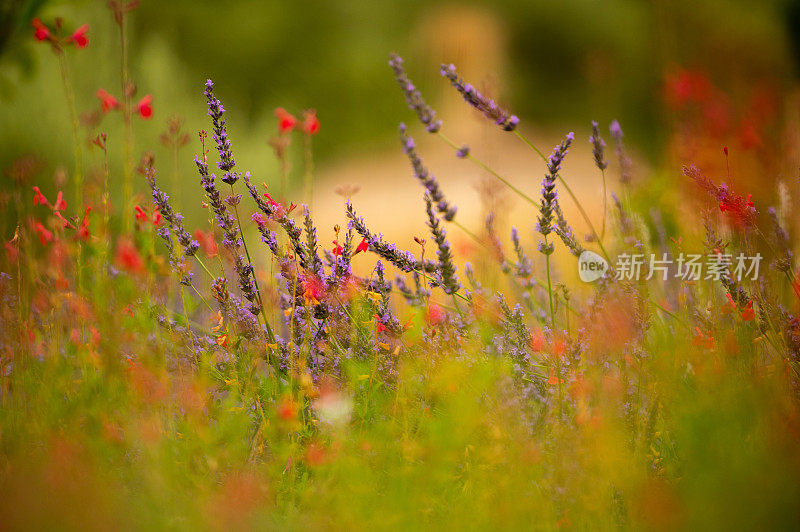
[38, 197]
[363, 246]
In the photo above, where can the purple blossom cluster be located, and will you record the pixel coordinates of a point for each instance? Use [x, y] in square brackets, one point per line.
[485, 105]
[404, 260]
[413, 97]
[550, 194]
[216, 111]
[598, 147]
[430, 183]
[447, 269]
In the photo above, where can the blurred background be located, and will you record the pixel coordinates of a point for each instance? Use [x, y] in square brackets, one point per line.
[684, 78]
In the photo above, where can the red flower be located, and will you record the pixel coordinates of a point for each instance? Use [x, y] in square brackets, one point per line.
[38, 197]
[287, 409]
[553, 380]
[128, 258]
[60, 204]
[141, 216]
[12, 251]
[363, 246]
[83, 230]
[286, 122]
[313, 289]
[45, 236]
[310, 122]
[144, 107]
[79, 36]
[748, 314]
[337, 249]
[157, 215]
[67, 223]
[207, 242]
[41, 32]
[379, 326]
[107, 101]
[434, 315]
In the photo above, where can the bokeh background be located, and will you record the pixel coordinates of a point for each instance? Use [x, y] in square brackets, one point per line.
[684, 77]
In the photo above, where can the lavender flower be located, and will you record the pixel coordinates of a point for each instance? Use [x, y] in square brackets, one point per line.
[622, 157]
[782, 263]
[550, 194]
[413, 97]
[231, 237]
[403, 260]
[215, 111]
[565, 233]
[524, 265]
[311, 243]
[173, 219]
[463, 152]
[430, 183]
[480, 102]
[447, 270]
[598, 147]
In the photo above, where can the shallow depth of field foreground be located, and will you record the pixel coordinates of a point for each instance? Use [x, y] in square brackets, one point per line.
[490, 266]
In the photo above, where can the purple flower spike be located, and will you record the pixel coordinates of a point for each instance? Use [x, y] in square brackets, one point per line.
[413, 97]
[480, 102]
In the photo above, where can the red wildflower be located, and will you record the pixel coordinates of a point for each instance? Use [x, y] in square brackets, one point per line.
[313, 289]
[222, 340]
[310, 122]
[60, 204]
[748, 314]
[38, 197]
[83, 230]
[286, 122]
[157, 215]
[41, 31]
[79, 36]
[684, 86]
[729, 306]
[537, 342]
[702, 340]
[379, 326]
[67, 223]
[12, 251]
[434, 314]
[141, 216]
[145, 107]
[207, 242]
[287, 409]
[128, 258]
[363, 246]
[553, 380]
[45, 236]
[337, 249]
[107, 101]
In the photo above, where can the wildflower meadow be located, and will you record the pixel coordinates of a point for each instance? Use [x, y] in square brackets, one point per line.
[186, 345]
